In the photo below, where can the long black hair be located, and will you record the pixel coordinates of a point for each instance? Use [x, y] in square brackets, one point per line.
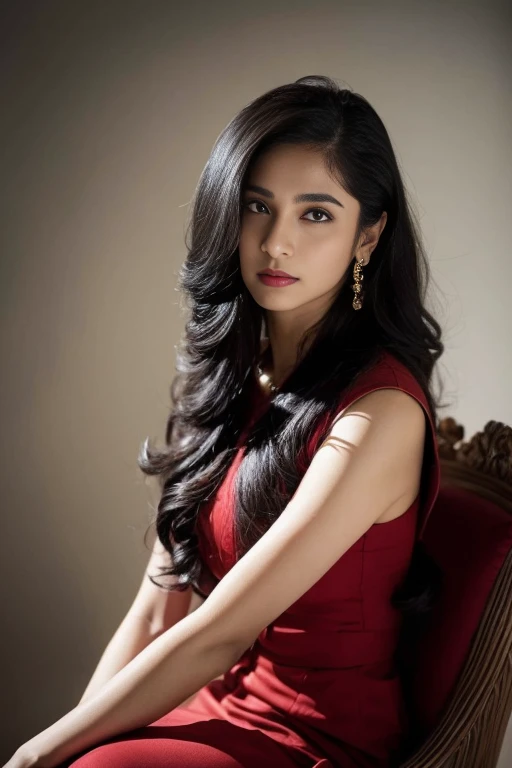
[221, 341]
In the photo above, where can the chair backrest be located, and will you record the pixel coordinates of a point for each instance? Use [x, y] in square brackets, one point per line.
[469, 534]
[469, 537]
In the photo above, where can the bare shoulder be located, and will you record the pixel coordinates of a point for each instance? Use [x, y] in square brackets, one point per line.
[401, 421]
[381, 407]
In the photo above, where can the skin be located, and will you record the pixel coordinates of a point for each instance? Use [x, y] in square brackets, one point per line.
[313, 241]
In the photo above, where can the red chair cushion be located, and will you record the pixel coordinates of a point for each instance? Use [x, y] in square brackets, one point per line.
[469, 537]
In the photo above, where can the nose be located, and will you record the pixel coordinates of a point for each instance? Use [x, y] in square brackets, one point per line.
[277, 241]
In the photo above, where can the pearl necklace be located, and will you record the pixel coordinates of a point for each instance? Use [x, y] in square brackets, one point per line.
[266, 379]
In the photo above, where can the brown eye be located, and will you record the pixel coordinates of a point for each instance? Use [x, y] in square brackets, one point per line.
[254, 202]
[322, 212]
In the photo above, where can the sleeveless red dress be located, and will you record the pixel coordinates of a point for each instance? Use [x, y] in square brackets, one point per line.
[319, 688]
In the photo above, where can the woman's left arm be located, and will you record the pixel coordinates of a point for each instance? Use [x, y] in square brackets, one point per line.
[165, 673]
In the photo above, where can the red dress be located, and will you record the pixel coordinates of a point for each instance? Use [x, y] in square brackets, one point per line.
[319, 687]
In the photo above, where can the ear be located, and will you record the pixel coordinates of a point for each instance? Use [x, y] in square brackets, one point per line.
[371, 238]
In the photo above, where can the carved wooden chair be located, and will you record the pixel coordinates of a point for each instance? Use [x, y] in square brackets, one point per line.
[461, 680]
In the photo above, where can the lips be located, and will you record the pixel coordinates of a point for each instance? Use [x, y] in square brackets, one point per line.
[277, 282]
[277, 273]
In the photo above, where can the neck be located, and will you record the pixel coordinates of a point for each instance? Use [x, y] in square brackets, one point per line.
[285, 331]
[267, 375]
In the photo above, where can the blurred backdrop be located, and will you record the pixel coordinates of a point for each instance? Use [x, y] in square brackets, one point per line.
[109, 112]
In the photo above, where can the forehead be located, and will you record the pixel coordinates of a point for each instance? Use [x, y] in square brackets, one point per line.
[288, 170]
[295, 161]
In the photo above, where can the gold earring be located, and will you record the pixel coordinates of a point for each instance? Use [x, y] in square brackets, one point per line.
[357, 301]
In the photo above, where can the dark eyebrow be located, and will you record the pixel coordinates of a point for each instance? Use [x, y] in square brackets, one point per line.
[305, 197]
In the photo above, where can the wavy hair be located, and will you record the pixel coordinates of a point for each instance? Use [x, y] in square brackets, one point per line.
[220, 345]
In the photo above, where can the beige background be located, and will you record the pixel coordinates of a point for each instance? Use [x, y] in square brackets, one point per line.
[110, 111]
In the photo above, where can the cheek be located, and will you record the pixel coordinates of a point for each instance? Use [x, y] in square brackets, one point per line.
[242, 255]
[248, 248]
[330, 259]
[247, 255]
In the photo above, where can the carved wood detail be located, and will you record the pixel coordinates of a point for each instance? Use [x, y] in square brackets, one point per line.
[482, 464]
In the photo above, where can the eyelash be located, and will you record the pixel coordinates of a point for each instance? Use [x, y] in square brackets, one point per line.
[320, 210]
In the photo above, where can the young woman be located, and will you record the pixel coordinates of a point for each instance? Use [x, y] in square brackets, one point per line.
[299, 470]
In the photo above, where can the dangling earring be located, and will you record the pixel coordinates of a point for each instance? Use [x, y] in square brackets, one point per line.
[357, 301]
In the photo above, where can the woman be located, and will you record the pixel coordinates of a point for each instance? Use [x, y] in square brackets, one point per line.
[300, 465]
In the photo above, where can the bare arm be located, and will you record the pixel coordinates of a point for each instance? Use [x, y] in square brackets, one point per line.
[174, 666]
[152, 612]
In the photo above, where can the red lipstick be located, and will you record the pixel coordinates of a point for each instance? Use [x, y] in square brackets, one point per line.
[276, 278]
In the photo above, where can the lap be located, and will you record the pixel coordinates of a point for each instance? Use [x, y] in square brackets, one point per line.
[210, 743]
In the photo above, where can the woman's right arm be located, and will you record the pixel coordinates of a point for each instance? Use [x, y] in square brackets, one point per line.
[153, 611]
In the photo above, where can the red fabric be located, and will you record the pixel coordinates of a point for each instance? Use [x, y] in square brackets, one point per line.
[469, 537]
[181, 740]
[319, 687]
